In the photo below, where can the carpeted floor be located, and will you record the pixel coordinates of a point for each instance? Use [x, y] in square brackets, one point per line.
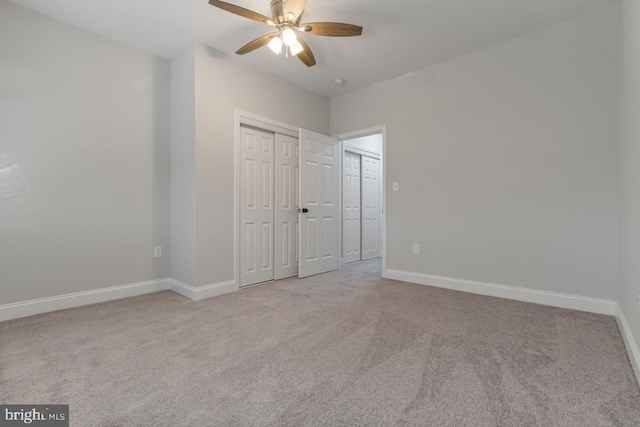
[344, 348]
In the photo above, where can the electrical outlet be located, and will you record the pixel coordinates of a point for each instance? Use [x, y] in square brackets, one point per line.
[157, 251]
[416, 248]
[396, 186]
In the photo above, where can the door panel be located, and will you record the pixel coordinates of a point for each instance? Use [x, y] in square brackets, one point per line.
[370, 207]
[319, 169]
[286, 236]
[351, 211]
[256, 206]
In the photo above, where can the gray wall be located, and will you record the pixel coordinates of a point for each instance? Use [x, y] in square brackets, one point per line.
[84, 159]
[183, 167]
[629, 288]
[507, 160]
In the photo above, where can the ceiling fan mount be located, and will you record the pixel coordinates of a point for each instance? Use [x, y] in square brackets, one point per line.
[286, 18]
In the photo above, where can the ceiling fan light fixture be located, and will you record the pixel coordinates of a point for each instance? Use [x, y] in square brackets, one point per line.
[276, 45]
[289, 37]
[285, 19]
[296, 48]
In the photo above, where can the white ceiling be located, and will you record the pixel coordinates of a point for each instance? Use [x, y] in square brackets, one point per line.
[400, 36]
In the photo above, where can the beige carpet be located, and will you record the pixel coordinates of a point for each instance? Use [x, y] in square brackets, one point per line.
[345, 348]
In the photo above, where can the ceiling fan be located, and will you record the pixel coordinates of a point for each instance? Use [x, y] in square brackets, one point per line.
[286, 18]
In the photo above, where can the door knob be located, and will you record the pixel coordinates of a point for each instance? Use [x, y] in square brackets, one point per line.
[304, 210]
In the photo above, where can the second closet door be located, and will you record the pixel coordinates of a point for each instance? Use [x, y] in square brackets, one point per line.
[351, 211]
[286, 213]
[370, 207]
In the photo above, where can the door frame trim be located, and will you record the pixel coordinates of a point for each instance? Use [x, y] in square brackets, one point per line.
[360, 151]
[256, 121]
[382, 129]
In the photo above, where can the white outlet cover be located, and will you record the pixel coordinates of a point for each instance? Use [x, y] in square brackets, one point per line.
[396, 186]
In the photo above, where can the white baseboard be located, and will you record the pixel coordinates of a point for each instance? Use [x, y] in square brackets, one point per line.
[554, 299]
[61, 302]
[202, 292]
[629, 341]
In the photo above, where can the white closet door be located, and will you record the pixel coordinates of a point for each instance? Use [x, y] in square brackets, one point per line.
[370, 207]
[351, 211]
[286, 236]
[319, 180]
[256, 206]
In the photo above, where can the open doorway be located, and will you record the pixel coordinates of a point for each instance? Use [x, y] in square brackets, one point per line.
[363, 196]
